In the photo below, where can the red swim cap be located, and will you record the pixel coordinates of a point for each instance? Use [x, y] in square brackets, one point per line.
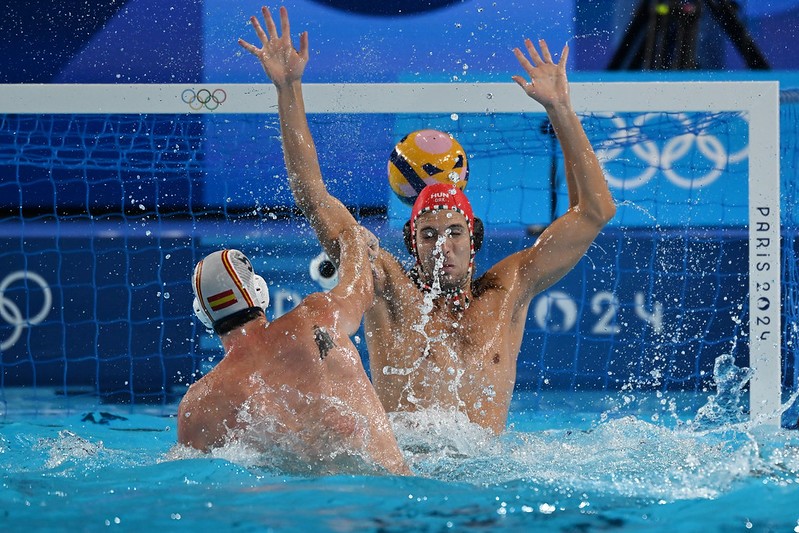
[437, 197]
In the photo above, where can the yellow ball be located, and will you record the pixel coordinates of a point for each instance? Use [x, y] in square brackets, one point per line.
[423, 158]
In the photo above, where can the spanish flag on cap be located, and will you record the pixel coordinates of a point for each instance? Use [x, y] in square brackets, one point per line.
[225, 283]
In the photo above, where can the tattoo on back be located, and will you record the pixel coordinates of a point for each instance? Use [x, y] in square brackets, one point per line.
[323, 341]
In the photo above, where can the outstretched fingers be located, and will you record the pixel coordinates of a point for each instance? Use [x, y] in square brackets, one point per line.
[285, 28]
[259, 31]
[271, 32]
[547, 55]
[520, 81]
[537, 61]
[545, 51]
[270, 23]
[304, 45]
[523, 61]
[247, 46]
[564, 56]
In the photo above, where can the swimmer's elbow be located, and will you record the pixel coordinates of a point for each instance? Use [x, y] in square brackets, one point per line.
[600, 213]
[346, 309]
[607, 212]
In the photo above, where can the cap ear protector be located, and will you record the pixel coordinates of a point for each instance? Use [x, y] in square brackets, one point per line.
[261, 292]
[479, 231]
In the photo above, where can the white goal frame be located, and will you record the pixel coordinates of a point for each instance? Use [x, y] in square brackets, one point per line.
[759, 101]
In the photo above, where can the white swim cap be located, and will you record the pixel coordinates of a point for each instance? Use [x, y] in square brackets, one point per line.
[225, 285]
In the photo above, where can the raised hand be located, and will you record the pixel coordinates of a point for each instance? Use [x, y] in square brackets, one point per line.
[548, 84]
[281, 61]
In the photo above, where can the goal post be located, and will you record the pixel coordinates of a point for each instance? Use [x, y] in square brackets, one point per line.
[757, 102]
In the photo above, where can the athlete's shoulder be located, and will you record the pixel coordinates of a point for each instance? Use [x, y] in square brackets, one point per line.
[498, 277]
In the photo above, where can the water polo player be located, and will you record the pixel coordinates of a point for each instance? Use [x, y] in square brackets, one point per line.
[454, 348]
[293, 389]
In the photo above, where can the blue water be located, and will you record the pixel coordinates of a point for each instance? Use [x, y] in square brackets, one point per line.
[569, 461]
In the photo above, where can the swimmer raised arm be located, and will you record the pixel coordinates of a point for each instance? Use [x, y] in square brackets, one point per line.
[284, 65]
[353, 294]
[591, 205]
[296, 384]
[437, 337]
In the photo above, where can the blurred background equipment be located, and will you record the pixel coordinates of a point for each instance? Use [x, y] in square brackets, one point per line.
[664, 35]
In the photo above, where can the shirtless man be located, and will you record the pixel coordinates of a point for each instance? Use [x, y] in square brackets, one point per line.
[444, 339]
[294, 388]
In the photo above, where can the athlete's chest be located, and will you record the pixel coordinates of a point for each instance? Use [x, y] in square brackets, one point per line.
[447, 338]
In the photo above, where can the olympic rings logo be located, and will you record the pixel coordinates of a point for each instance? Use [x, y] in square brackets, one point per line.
[204, 98]
[663, 159]
[10, 311]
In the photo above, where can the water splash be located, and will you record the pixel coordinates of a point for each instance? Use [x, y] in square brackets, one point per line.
[645, 212]
[615, 456]
[624, 457]
[726, 406]
[437, 441]
[69, 453]
[284, 430]
[428, 300]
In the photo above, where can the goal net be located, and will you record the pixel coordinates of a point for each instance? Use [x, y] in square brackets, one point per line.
[110, 193]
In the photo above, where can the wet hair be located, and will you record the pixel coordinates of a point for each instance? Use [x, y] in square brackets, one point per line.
[225, 325]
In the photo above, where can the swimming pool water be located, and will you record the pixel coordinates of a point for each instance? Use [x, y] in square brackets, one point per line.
[569, 461]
